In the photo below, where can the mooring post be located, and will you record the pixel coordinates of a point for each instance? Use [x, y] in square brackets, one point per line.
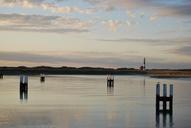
[171, 98]
[1, 76]
[23, 83]
[110, 81]
[23, 87]
[42, 77]
[164, 96]
[157, 97]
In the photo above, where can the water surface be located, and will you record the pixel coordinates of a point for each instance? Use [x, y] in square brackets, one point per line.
[80, 101]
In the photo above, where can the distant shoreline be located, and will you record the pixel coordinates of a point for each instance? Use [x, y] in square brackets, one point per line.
[156, 73]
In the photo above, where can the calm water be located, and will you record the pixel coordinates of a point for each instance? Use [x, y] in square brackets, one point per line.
[86, 102]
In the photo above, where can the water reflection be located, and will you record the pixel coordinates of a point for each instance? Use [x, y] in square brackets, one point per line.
[78, 102]
[23, 93]
[166, 116]
[110, 91]
[144, 84]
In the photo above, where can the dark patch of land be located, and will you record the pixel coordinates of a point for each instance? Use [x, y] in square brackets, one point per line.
[68, 71]
[166, 73]
[158, 73]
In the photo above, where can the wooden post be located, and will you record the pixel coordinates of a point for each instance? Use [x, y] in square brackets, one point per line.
[42, 77]
[110, 81]
[171, 98]
[24, 83]
[23, 87]
[164, 96]
[157, 97]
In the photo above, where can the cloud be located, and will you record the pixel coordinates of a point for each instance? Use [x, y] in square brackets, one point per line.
[130, 14]
[75, 58]
[161, 7]
[112, 24]
[105, 59]
[185, 50]
[176, 10]
[153, 18]
[57, 24]
[78, 58]
[171, 41]
[169, 65]
[43, 4]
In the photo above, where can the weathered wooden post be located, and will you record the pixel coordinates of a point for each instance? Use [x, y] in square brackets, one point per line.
[157, 97]
[164, 96]
[110, 85]
[42, 77]
[171, 98]
[23, 83]
[110, 81]
[23, 87]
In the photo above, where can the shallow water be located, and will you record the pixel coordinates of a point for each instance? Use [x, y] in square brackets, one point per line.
[81, 101]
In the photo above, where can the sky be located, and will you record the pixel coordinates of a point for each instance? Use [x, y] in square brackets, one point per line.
[96, 33]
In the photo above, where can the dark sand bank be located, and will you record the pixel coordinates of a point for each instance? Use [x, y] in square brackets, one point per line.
[68, 71]
[165, 73]
[158, 73]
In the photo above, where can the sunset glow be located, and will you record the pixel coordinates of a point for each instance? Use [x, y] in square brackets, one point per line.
[100, 33]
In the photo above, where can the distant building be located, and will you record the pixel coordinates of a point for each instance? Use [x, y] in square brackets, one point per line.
[141, 68]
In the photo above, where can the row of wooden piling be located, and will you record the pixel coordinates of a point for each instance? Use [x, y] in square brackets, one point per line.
[164, 99]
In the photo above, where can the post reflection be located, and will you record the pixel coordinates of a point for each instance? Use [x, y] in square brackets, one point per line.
[23, 93]
[110, 91]
[144, 86]
[166, 116]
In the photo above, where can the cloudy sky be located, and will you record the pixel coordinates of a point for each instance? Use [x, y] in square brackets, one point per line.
[101, 33]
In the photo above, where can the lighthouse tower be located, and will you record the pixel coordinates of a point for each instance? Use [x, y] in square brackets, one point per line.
[144, 64]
